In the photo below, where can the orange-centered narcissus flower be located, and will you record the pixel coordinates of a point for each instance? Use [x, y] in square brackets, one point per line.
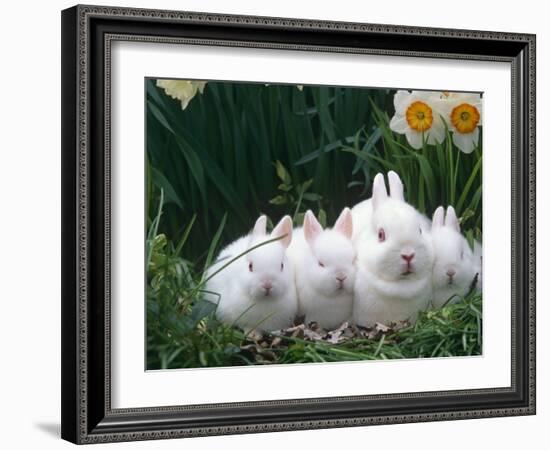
[182, 90]
[465, 117]
[417, 117]
[463, 114]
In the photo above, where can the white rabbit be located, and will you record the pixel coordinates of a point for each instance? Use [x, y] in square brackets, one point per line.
[257, 291]
[362, 212]
[455, 266]
[324, 270]
[394, 257]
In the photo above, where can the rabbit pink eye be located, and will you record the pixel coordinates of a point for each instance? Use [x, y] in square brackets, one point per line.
[381, 235]
[250, 268]
[321, 264]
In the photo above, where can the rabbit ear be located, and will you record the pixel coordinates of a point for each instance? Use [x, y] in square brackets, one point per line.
[396, 186]
[259, 227]
[312, 227]
[439, 217]
[344, 223]
[379, 193]
[283, 228]
[451, 219]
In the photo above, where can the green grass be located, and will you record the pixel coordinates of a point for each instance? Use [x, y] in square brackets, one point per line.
[183, 332]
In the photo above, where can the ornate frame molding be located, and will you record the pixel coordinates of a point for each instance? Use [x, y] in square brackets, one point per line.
[87, 421]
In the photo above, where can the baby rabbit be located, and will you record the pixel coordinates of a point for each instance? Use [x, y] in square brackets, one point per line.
[324, 270]
[394, 257]
[362, 212]
[257, 291]
[455, 266]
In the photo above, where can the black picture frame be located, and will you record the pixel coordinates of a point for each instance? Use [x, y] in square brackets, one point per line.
[87, 32]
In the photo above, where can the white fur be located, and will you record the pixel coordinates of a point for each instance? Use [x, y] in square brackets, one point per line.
[321, 296]
[384, 291]
[361, 214]
[242, 297]
[451, 253]
[478, 256]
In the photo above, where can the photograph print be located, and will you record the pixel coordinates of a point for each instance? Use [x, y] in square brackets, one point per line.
[311, 224]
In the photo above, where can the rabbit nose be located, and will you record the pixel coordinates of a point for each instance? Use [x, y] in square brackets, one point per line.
[408, 257]
[341, 278]
[267, 285]
[451, 273]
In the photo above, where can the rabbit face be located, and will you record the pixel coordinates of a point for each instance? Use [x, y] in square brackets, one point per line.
[332, 270]
[453, 259]
[268, 273]
[399, 246]
[454, 263]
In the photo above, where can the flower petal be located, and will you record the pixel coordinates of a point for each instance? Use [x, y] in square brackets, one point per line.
[425, 96]
[184, 102]
[443, 109]
[401, 100]
[399, 124]
[466, 142]
[434, 136]
[468, 97]
[414, 138]
[182, 90]
[437, 131]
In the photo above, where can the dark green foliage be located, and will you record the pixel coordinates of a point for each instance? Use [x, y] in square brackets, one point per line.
[217, 156]
[182, 330]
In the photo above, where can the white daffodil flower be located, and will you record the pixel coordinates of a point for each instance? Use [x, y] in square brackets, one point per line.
[417, 116]
[463, 114]
[182, 90]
